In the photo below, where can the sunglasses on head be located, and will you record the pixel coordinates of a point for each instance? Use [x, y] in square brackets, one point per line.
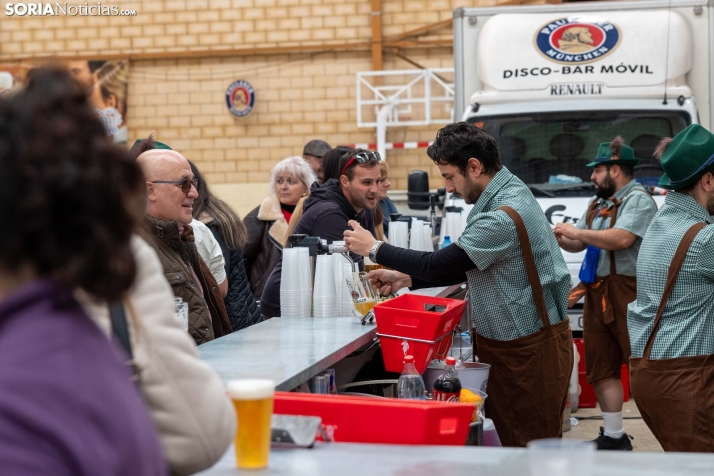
[361, 158]
[184, 184]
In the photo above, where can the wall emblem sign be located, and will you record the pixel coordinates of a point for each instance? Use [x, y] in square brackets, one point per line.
[240, 98]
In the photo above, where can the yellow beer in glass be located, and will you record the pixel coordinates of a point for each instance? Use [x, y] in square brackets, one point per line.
[253, 401]
[364, 307]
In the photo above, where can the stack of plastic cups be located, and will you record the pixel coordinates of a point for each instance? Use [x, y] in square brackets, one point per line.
[305, 281]
[428, 244]
[324, 299]
[291, 304]
[456, 225]
[344, 299]
[399, 234]
[451, 227]
[347, 303]
[416, 237]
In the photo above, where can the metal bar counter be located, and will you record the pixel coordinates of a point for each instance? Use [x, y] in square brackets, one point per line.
[375, 460]
[290, 350]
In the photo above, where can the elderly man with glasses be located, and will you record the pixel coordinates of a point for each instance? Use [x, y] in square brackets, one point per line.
[171, 191]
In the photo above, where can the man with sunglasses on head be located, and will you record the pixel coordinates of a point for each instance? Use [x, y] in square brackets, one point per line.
[171, 191]
[328, 209]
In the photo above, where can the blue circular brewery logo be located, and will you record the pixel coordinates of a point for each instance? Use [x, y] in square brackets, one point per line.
[577, 40]
[240, 98]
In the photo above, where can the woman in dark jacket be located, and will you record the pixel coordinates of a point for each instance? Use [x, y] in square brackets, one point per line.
[231, 234]
[267, 224]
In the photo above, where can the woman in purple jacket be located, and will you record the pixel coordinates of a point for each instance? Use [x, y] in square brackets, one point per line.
[67, 404]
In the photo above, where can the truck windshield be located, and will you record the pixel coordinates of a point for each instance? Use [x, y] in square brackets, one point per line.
[549, 151]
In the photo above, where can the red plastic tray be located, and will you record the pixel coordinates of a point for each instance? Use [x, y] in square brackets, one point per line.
[406, 316]
[350, 419]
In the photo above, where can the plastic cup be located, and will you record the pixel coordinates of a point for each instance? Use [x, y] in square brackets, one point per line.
[416, 237]
[305, 281]
[324, 300]
[428, 244]
[561, 457]
[324, 277]
[399, 232]
[483, 400]
[347, 305]
[253, 401]
[290, 275]
[338, 265]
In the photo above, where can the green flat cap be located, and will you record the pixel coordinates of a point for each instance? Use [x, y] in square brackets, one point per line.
[614, 153]
[687, 157]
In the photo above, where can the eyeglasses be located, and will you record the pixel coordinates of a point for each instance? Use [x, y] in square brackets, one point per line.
[184, 184]
[362, 158]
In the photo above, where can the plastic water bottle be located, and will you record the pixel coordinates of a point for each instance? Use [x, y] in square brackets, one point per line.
[446, 242]
[410, 385]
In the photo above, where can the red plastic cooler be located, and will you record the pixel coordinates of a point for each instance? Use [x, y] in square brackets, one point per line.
[417, 325]
[351, 419]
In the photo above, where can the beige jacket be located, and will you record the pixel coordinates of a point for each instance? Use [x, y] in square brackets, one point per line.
[186, 397]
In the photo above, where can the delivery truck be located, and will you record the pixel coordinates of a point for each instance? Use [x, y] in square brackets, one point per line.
[551, 82]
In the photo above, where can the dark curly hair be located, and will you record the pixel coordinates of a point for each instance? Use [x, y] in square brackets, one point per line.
[66, 188]
[456, 143]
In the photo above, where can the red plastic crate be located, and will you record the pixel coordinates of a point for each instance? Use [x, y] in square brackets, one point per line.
[405, 327]
[406, 316]
[625, 378]
[588, 399]
[579, 344]
[350, 419]
[395, 348]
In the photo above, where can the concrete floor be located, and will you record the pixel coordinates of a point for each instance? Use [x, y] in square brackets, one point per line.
[589, 429]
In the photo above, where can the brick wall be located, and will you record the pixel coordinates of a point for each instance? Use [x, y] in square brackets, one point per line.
[303, 95]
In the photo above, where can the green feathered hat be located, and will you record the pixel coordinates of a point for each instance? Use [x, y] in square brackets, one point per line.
[614, 153]
[686, 157]
[157, 144]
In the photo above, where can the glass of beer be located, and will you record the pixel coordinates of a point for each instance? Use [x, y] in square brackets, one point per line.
[253, 401]
[363, 296]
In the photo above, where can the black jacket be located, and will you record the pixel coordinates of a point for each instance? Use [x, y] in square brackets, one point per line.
[240, 302]
[266, 231]
[326, 213]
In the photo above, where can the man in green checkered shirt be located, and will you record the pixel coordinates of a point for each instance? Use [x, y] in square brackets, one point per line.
[671, 323]
[500, 293]
[687, 326]
[524, 335]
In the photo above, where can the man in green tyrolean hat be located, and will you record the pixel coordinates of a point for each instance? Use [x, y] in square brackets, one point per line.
[671, 359]
[611, 230]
